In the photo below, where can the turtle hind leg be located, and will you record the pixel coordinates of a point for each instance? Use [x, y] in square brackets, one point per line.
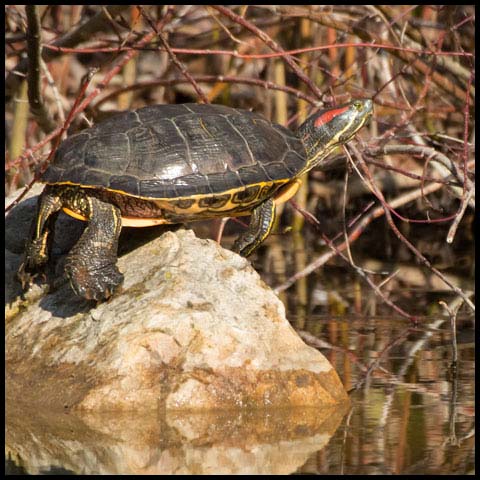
[91, 264]
[261, 224]
[37, 248]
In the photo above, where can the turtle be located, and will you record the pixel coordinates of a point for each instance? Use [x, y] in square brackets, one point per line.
[175, 163]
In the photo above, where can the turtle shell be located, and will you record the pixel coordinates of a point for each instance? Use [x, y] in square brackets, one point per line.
[172, 151]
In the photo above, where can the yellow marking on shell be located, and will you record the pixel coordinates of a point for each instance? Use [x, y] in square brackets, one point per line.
[287, 192]
[171, 207]
[142, 222]
[126, 221]
[196, 208]
[149, 222]
[168, 200]
[167, 204]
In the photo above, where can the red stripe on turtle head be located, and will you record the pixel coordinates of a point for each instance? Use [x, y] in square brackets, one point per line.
[329, 115]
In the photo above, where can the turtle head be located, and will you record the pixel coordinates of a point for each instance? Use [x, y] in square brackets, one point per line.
[329, 128]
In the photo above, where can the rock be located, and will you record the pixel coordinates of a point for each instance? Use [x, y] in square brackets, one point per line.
[194, 328]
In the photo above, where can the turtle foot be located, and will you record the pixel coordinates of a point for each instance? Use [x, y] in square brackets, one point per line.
[34, 262]
[26, 276]
[97, 283]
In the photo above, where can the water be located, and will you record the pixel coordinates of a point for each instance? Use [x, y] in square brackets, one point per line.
[412, 415]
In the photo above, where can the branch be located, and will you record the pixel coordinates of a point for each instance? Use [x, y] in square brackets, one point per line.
[273, 45]
[85, 31]
[37, 106]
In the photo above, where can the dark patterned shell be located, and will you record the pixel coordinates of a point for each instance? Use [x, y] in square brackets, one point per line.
[169, 151]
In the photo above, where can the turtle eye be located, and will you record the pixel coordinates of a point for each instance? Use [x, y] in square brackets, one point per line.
[358, 105]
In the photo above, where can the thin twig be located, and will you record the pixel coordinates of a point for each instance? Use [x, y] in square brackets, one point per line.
[453, 326]
[37, 107]
[375, 363]
[458, 217]
[181, 67]
[83, 87]
[434, 155]
[399, 235]
[268, 85]
[74, 36]
[355, 233]
[272, 44]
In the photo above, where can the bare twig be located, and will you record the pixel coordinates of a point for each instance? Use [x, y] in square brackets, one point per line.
[459, 216]
[400, 236]
[356, 232]
[181, 67]
[434, 155]
[369, 36]
[82, 32]
[37, 106]
[211, 79]
[453, 325]
[273, 45]
[375, 363]
[79, 108]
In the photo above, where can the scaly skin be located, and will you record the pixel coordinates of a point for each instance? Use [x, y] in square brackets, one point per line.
[91, 264]
[260, 225]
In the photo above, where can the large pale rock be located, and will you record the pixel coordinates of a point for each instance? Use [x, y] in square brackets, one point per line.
[194, 328]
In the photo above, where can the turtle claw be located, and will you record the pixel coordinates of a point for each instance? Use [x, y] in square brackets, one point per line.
[36, 257]
[97, 284]
[28, 272]
[25, 276]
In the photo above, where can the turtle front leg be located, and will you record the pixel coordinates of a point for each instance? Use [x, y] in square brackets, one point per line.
[261, 224]
[91, 264]
[37, 249]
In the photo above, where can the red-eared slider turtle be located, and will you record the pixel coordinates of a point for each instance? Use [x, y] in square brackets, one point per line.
[176, 163]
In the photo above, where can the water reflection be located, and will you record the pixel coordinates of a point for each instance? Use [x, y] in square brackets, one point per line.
[412, 413]
[255, 442]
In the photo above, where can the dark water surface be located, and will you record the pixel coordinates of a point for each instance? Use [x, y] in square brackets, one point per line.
[414, 414]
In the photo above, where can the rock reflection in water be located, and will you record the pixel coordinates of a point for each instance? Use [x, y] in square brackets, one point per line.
[222, 442]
